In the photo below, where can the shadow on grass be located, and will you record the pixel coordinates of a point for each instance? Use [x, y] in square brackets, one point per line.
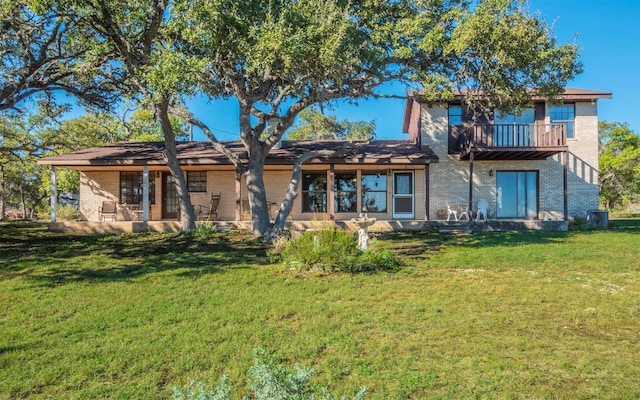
[55, 259]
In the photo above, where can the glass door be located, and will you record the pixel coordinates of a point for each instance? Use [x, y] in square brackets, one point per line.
[403, 195]
[170, 199]
[517, 194]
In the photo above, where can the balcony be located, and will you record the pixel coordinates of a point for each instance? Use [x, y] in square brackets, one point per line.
[512, 141]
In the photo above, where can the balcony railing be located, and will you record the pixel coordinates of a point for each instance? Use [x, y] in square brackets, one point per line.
[513, 138]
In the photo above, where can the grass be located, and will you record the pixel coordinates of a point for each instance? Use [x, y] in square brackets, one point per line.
[504, 315]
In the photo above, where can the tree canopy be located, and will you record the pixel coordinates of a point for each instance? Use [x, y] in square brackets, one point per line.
[280, 57]
[619, 164]
[314, 125]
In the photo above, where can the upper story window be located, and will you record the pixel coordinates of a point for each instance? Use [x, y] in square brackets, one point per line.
[526, 116]
[131, 188]
[314, 192]
[197, 181]
[564, 114]
[513, 128]
[455, 115]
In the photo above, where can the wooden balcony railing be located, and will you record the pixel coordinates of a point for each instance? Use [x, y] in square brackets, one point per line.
[513, 137]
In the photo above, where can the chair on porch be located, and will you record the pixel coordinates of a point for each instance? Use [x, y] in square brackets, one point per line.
[464, 212]
[210, 212]
[245, 209]
[483, 205]
[451, 211]
[109, 209]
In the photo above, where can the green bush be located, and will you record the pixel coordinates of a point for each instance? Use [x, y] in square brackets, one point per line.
[267, 380]
[332, 250]
[205, 229]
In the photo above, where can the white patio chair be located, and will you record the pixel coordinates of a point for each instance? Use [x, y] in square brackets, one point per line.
[483, 205]
[451, 211]
[464, 212]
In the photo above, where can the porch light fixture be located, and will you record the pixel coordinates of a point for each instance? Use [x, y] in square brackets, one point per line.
[491, 172]
[157, 174]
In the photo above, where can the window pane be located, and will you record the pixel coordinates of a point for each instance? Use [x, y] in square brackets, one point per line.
[374, 193]
[455, 115]
[131, 188]
[565, 114]
[197, 181]
[314, 193]
[346, 195]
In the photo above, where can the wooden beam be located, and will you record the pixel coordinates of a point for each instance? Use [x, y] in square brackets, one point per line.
[426, 193]
[54, 193]
[470, 183]
[565, 184]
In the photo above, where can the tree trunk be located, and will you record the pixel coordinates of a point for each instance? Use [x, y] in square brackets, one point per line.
[3, 207]
[260, 220]
[170, 154]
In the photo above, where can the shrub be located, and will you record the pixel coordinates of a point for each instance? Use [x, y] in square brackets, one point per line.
[267, 380]
[331, 250]
[204, 229]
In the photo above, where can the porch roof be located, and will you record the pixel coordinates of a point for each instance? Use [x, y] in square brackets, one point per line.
[375, 152]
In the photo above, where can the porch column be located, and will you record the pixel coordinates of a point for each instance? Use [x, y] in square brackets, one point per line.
[238, 195]
[54, 193]
[330, 193]
[470, 182]
[426, 193]
[565, 184]
[145, 193]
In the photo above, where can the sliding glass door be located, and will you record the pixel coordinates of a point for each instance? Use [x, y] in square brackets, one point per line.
[517, 194]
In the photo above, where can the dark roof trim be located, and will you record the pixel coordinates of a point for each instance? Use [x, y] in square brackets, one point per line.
[376, 152]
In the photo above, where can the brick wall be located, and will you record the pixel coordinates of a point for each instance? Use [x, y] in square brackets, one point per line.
[449, 179]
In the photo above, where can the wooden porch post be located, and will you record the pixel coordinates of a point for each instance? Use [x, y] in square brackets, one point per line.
[330, 193]
[426, 193]
[565, 184]
[145, 193]
[238, 194]
[470, 183]
[54, 193]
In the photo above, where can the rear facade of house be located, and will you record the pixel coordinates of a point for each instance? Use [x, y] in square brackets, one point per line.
[540, 164]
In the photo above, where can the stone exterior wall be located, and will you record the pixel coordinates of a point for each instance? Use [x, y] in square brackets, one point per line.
[449, 179]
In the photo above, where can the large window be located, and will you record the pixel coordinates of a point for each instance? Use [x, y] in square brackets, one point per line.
[564, 114]
[374, 193]
[131, 188]
[514, 129]
[314, 192]
[197, 181]
[346, 192]
[517, 194]
[455, 115]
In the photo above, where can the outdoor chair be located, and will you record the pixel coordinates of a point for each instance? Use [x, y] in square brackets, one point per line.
[210, 212]
[245, 208]
[482, 209]
[109, 209]
[450, 212]
[464, 212]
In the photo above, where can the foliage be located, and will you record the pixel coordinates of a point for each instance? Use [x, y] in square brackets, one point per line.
[65, 212]
[278, 58]
[314, 125]
[205, 229]
[332, 250]
[619, 164]
[268, 380]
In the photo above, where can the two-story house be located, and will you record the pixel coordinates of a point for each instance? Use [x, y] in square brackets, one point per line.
[539, 165]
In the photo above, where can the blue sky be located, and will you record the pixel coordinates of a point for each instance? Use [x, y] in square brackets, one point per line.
[608, 32]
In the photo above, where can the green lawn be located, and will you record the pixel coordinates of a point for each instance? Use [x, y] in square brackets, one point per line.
[507, 315]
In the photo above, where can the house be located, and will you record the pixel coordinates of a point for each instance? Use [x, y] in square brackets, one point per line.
[537, 167]
[540, 164]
